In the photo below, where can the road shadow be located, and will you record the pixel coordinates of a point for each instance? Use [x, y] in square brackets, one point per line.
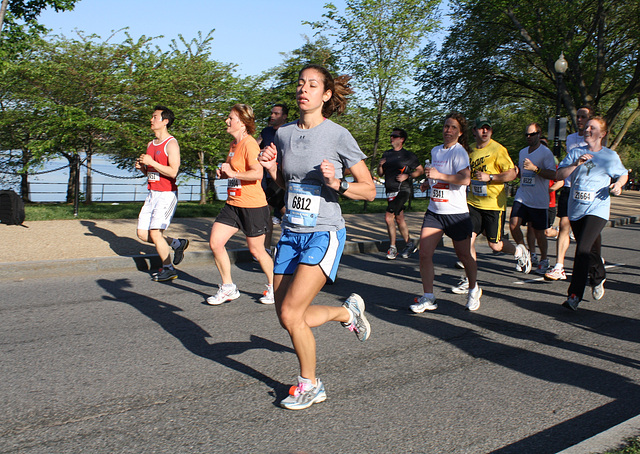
[126, 246]
[193, 337]
[467, 331]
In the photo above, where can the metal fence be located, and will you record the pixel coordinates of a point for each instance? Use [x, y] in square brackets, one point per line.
[112, 192]
[127, 192]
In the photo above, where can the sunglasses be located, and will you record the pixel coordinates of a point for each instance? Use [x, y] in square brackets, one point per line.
[531, 134]
[395, 136]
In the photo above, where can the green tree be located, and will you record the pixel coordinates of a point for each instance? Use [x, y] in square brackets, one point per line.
[280, 82]
[201, 91]
[82, 96]
[18, 113]
[377, 41]
[501, 54]
[18, 18]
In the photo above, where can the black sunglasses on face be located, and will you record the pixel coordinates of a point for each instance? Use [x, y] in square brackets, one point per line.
[531, 134]
[394, 136]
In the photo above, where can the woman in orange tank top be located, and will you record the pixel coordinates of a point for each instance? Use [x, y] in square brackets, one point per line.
[246, 208]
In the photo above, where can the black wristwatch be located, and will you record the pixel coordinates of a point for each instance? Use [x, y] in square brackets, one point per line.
[344, 185]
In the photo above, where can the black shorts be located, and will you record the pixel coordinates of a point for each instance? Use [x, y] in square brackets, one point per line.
[252, 221]
[489, 222]
[396, 206]
[455, 226]
[563, 202]
[537, 216]
[551, 216]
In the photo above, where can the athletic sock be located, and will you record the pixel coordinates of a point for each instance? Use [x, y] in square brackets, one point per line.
[175, 243]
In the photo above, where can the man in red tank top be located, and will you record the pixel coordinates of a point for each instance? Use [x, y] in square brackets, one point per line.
[161, 164]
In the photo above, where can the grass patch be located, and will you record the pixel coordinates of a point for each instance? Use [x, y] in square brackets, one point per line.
[377, 206]
[631, 446]
[126, 210]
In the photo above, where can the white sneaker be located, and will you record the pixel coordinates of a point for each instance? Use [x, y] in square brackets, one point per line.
[424, 304]
[463, 286]
[359, 323]
[473, 302]
[392, 253]
[267, 295]
[304, 395]
[598, 291]
[524, 259]
[543, 266]
[556, 274]
[226, 292]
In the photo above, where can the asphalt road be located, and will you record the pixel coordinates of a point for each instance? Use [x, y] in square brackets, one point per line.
[118, 363]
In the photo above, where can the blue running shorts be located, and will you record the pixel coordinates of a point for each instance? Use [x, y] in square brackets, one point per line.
[316, 248]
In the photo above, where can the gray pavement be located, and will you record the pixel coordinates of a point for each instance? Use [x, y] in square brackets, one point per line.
[58, 248]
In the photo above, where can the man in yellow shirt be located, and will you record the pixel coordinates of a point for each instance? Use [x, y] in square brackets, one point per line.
[491, 168]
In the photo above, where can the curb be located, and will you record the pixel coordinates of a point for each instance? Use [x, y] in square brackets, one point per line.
[609, 439]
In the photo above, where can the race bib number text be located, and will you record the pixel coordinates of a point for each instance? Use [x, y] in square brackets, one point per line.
[303, 204]
[583, 196]
[478, 188]
[440, 192]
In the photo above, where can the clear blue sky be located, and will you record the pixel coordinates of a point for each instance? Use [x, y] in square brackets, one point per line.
[249, 33]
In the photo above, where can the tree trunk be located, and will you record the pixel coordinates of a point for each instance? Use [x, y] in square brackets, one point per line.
[211, 187]
[88, 197]
[24, 176]
[203, 183]
[627, 124]
[3, 10]
[71, 193]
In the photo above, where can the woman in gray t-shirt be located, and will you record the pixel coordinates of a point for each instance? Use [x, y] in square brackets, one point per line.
[308, 159]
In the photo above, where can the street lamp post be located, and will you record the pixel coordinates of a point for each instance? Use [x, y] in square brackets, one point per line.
[560, 66]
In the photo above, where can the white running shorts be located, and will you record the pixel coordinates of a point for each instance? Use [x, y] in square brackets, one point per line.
[158, 210]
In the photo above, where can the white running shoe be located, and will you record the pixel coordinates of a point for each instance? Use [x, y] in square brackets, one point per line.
[524, 259]
[304, 395]
[598, 291]
[556, 274]
[392, 253]
[226, 292]
[543, 266]
[267, 295]
[424, 304]
[473, 302]
[359, 323]
[463, 286]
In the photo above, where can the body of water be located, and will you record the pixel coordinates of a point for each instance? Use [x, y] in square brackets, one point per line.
[110, 184]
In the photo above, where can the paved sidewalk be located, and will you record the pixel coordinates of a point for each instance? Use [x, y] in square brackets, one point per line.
[47, 248]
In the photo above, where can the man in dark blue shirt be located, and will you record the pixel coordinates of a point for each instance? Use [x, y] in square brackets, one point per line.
[399, 167]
